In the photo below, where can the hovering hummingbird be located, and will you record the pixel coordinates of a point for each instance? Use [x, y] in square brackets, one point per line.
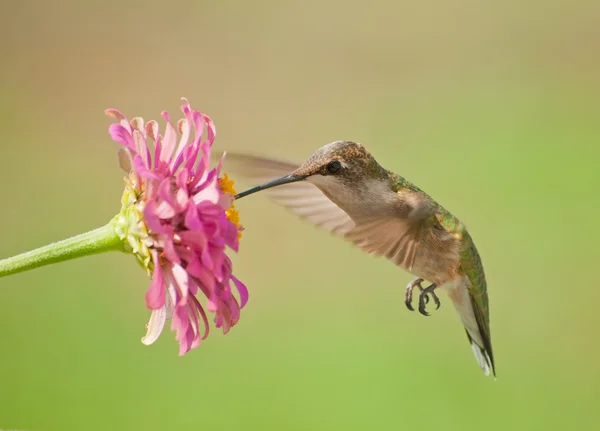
[342, 189]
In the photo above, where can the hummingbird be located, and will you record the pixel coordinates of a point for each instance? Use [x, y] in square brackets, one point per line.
[342, 189]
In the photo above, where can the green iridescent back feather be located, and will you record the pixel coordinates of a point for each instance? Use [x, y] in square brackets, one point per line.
[400, 183]
[473, 268]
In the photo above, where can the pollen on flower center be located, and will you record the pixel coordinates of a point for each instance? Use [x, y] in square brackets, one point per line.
[233, 215]
[226, 185]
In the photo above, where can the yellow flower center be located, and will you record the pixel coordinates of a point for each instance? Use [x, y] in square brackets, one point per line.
[226, 185]
[233, 215]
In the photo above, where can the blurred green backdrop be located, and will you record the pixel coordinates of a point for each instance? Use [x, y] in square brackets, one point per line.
[491, 108]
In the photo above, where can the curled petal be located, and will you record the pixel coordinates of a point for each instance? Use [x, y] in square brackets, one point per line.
[155, 326]
[242, 290]
[115, 113]
[212, 130]
[122, 136]
[152, 130]
[202, 315]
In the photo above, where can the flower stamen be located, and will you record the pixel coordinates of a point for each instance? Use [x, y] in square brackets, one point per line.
[233, 215]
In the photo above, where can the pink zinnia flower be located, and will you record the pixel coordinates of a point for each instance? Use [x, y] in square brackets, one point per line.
[178, 219]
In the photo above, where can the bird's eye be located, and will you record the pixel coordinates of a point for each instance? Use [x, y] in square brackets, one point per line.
[334, 166]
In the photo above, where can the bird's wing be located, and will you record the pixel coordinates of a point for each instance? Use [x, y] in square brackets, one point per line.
[302, 198]
[395, 238]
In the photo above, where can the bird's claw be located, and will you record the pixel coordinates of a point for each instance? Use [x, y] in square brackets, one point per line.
[409, 290]
[424, 299]
[423, 296]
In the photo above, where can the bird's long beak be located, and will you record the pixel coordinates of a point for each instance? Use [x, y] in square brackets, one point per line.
[291, 178]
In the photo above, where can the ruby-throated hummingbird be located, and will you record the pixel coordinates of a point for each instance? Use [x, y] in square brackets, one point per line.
[343, 189]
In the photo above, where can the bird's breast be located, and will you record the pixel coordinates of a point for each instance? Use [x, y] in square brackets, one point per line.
[437, 257]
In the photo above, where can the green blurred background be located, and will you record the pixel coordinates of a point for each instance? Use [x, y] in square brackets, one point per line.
[493, 108]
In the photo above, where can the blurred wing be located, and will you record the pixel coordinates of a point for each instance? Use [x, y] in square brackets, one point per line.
[394, 238]
[302, 198]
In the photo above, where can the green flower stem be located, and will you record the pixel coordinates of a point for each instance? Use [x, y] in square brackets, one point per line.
[93, 242]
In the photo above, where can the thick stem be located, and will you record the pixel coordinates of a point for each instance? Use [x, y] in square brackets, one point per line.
[93, 242]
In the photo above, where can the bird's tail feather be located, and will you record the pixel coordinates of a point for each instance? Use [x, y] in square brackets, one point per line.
[459, 294]
[482, 357]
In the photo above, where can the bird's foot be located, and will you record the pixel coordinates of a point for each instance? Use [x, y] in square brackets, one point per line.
[409, 291]
[424, 299]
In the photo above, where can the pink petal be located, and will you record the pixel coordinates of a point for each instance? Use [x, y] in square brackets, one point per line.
[220, 164]
[115, 113]
[152, 219]
[167, 206]
[170, 251]
[181, 278]
[198, 122]
[155, 326]
[140, 167]
[142, 147]
[181, 195]
[155, 296]
[242, 290]
[212, 130]
[181, 324]
[210, 194]
[169, 140]
[206, 281]
[192, 220]
[119, 134]
[183, 127]
[153, 133]
[203, 315]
